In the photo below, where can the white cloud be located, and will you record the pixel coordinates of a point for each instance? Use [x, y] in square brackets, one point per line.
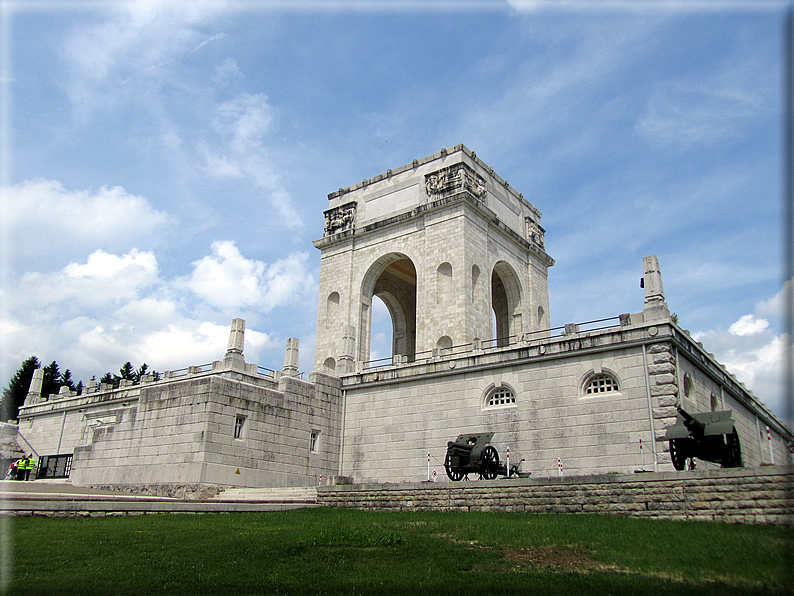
[748, 325]
[130, 49]
[705, 113]
[243, 125]
[247, 119]
[753, 352]
[773, 308]
[215, 37]
[43, 218]
[227, 280]
[103, 265]
[97, 313]
[228, 70]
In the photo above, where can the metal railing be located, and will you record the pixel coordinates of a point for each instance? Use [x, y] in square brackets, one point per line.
[491, 345]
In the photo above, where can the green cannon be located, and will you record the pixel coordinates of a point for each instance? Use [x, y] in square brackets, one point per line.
[471, 453]
[710, 436]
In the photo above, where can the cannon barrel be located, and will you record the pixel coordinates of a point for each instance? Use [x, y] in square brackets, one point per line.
[693, 425]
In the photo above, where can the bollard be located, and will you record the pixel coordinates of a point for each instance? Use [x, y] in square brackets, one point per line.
[428, 466]
[559, 465]
[642, 455]
[508, 462]
[769, 442]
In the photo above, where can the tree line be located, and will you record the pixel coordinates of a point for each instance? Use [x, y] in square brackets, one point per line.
[14, 394]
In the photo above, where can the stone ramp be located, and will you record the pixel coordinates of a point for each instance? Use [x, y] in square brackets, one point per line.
[292, 494]
[63, 499]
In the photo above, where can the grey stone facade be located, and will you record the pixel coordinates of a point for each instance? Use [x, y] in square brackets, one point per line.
[227, 425]
[449, 246]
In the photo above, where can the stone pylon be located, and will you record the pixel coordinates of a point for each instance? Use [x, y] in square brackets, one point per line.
[234, 360]
[655, 308]
[291, 358]
[34, 393]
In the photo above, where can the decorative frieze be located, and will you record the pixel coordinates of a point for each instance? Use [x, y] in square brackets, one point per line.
[453, 179]
[535, 234]
[340, 219]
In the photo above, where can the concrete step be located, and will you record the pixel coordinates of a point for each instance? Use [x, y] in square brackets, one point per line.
[291, 494]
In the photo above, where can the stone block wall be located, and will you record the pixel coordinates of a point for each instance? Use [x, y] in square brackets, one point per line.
[391, 426]
[741, 495]
[181, 432]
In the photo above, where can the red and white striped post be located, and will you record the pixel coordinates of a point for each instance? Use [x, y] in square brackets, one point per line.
[769, 440]
[559, 466]
[428, 466]
[642, 455]
[508, 462]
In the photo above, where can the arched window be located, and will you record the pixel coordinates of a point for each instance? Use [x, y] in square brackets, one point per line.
[689, 386]
[501, 396]
[329, 365]
[443, 283]
[600, 384]
[332, 309]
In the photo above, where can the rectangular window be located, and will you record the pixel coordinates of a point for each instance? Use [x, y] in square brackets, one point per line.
[314, 441]
[239, 426]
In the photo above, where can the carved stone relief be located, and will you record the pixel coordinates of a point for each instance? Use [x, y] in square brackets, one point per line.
[535, 234]
[340, 219]
[454, 178]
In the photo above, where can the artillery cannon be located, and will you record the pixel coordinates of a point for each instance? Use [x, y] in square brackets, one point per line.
[710, 436]
[471, 453]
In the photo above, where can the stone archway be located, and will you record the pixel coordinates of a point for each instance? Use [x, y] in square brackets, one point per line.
[392, 278]
[506, 303]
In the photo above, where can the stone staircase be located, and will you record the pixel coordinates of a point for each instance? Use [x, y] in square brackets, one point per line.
[292, 494]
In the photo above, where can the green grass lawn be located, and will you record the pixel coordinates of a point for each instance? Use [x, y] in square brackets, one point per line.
[338, 551]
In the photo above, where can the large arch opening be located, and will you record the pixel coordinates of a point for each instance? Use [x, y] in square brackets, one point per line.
[392, 279]
[506, 302]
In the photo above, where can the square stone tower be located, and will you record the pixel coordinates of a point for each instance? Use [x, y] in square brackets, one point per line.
[449, 247]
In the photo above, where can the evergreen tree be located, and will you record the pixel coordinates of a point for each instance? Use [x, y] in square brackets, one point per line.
[18, 387]
[111, 379]
[66, 379]
[52, 377]
[127, 372]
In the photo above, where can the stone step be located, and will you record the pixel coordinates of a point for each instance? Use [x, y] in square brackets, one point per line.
[291, 494]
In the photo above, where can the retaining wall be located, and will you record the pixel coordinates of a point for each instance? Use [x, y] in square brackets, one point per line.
[741, 495]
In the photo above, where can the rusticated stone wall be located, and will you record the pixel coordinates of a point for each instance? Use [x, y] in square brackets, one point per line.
[740, 495]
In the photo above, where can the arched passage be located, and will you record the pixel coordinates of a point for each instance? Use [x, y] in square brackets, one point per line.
[392, 278]
[506, 302]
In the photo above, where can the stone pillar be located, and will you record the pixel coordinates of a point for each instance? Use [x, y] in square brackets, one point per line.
[233, 360]
[34, 393]
[655, 308]
[291, 357]
[348, 350]
[236, 337]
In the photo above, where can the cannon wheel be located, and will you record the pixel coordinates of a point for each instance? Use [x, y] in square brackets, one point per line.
[454, 475]
[734, 448]
[490, 462]
[677, 455]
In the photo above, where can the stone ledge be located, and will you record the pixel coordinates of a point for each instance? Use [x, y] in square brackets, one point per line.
[741, 495]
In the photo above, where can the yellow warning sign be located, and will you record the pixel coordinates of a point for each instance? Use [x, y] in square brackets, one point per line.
[238, 471]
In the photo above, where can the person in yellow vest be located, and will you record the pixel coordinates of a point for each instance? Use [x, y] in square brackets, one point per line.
[29, 463]
[22, 464]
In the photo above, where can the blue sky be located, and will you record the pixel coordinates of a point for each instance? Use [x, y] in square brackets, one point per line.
[166, 164]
